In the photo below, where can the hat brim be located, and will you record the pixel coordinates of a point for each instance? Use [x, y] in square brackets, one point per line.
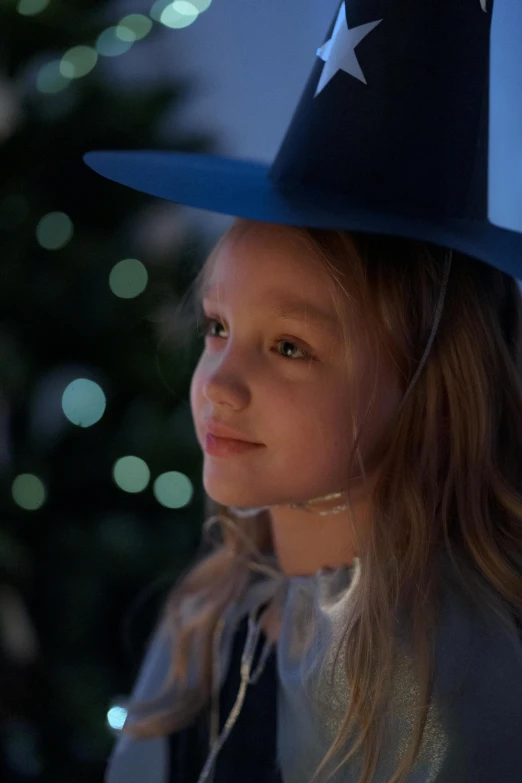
[243, 188]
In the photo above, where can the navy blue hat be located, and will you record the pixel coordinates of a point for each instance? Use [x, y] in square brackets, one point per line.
[410, 124]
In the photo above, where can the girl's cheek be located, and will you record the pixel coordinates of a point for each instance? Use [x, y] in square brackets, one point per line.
[195, 389]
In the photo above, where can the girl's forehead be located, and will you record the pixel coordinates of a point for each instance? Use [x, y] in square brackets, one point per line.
[276, 272]
[265, 255]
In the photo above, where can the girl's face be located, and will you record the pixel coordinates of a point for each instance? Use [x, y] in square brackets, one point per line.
[275, 370]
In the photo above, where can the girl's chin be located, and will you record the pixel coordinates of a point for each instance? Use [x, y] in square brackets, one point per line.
[234, 501]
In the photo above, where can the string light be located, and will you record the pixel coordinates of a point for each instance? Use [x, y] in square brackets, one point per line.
[131, 474]
[78, 62]
[109, 44]
[50, 79]
[31, 7]
[179, 14]
[28, 492]
[56, 75]
[128, 278]
[54, 230]
[173, 489]
[137, 25]
[83, 402]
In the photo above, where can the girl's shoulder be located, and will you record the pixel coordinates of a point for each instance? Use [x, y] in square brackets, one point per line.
[476, 716]
[478, 637]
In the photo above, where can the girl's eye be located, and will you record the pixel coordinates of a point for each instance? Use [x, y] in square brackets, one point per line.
[208, 322]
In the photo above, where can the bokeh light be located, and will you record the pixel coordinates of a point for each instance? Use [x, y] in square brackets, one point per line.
[157, 9]
[116, 717]
[31, 7]
[83, 402]
[78, 62]
[201, 5]
[54, 230]
[128, 278]
[28, 492]
[179, 14]
[131, 474]
[110, 45]
[173, 489]
[50, 78]
[133, 27]
[185, 7]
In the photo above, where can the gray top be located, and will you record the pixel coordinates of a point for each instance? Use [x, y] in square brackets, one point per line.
[474, 728]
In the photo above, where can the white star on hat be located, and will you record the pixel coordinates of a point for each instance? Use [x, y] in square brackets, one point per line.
[338, 52]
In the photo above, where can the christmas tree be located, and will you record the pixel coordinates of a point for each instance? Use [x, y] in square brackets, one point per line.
[100, 465]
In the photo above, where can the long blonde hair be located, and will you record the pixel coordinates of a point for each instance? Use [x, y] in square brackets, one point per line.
[450, 482]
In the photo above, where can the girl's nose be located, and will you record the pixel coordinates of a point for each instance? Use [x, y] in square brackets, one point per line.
[226, 382]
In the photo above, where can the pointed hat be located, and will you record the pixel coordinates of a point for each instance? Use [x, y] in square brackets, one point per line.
[410, 124]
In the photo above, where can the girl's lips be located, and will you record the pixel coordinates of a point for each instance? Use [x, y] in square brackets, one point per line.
[224, 447]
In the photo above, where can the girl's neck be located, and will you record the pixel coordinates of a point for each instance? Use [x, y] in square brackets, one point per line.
[304, 542]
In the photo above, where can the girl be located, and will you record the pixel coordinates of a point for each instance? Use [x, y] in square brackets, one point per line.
[359, 404]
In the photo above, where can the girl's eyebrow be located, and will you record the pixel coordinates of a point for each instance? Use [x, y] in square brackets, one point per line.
[290, 309]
